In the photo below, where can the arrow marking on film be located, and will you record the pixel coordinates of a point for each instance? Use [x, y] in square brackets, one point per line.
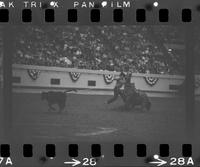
[74, 162]
[159, 161]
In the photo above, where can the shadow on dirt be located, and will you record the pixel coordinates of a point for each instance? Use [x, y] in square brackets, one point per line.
[122, 108]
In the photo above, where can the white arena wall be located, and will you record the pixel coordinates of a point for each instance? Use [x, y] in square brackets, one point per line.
[165, 86]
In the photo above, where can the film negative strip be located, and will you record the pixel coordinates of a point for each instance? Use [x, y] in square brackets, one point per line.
[106, 12]
[117, 153]
[103, 83]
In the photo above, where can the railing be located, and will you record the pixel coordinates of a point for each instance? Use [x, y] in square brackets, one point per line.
[36, 78]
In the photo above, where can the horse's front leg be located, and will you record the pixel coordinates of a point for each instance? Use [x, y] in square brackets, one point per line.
[122, 95]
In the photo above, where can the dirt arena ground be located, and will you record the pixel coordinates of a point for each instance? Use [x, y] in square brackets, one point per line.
[88, 118]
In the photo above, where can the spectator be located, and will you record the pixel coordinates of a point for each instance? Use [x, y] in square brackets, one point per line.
[101, 48]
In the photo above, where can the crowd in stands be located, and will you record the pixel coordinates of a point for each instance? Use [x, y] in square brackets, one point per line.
[141, 49]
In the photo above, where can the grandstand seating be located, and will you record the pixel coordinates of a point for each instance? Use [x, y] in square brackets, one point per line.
[142, 49]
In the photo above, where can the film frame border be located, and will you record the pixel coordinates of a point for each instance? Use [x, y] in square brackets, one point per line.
[50, 152]
[140, 12]
[186, 15]
[96, 16]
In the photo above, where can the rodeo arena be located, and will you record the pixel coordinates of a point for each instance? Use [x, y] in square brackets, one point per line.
[99, 83]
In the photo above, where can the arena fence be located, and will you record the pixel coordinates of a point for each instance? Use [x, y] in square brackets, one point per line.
[34, 79]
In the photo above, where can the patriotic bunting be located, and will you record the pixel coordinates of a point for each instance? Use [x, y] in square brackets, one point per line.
[33, 74]
[151, 80]
[108, 78]
[75, 76]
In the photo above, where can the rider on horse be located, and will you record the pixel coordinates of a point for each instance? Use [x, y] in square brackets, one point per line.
[130, 95]
[129, 87]
[120, 82]
[130, 92]
[133, 97]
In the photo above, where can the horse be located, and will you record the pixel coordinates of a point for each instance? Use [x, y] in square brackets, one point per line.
[133, 97]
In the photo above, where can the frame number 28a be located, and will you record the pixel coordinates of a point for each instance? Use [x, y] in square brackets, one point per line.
[181, 161]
